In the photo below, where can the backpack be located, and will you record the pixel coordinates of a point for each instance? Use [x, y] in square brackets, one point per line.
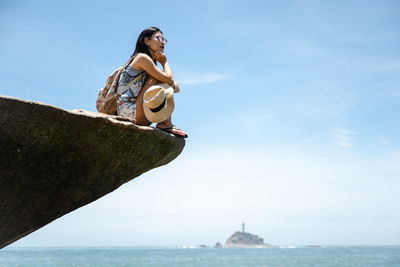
[107, 98]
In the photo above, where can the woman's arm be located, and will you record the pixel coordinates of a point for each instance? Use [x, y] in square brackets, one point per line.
[144, 62]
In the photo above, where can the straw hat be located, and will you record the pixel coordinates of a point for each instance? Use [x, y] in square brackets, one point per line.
[158, 102]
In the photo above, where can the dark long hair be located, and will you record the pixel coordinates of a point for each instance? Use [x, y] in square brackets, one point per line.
[141, 47]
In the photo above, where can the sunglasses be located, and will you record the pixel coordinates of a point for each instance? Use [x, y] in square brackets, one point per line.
[161, 39]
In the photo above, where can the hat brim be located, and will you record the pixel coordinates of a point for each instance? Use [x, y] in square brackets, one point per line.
[168, 108]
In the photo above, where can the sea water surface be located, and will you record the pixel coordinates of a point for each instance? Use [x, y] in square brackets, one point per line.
[363, 256]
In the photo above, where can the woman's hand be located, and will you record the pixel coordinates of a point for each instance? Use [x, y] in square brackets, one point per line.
[160, 56]
[176, 88]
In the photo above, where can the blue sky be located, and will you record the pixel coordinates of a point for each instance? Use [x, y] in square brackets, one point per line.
[292, 110]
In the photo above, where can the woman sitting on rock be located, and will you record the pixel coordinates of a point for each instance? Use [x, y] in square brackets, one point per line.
[146, 91]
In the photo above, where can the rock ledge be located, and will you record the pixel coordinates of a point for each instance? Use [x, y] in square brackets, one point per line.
[53, 161]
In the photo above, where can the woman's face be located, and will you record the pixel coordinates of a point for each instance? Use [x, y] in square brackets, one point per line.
[156, 42]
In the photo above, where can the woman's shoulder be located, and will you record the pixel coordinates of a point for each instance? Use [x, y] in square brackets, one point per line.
[140, 61]
[143, 56]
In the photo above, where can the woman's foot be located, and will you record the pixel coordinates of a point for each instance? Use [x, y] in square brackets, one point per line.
[170, 128]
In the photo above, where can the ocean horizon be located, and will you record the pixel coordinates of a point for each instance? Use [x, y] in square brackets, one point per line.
[279, 256]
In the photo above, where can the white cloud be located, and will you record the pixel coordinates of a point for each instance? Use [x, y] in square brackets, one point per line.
[343, 137]
[384, 66]
[384, 141]
[202, 78]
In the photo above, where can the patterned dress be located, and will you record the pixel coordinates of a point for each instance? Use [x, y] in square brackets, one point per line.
[130, 84]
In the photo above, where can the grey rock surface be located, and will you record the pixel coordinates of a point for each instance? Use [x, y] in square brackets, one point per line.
[243, 239]
[53, 161]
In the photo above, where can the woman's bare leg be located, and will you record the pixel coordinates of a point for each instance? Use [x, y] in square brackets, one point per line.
[168, 126]
[165, 124]
[140, 117]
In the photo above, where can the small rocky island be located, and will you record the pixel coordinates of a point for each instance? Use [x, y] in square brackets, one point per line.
[245, 240]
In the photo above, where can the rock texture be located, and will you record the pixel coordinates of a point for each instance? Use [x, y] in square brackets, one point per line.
[218, 245]
[53, 161]
[243, 239]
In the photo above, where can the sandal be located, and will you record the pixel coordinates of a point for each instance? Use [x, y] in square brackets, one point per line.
[174, 130]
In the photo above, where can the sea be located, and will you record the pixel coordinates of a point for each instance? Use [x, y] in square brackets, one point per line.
[321, 256]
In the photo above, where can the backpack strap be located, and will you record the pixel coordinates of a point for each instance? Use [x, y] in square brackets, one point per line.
[129, 61]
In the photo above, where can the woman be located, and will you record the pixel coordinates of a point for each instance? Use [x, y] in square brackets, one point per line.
[140, 74]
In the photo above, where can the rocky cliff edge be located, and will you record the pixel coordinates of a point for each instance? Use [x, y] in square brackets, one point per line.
[53, 161]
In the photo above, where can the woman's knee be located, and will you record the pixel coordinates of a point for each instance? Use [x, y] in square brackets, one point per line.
[151, 81]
